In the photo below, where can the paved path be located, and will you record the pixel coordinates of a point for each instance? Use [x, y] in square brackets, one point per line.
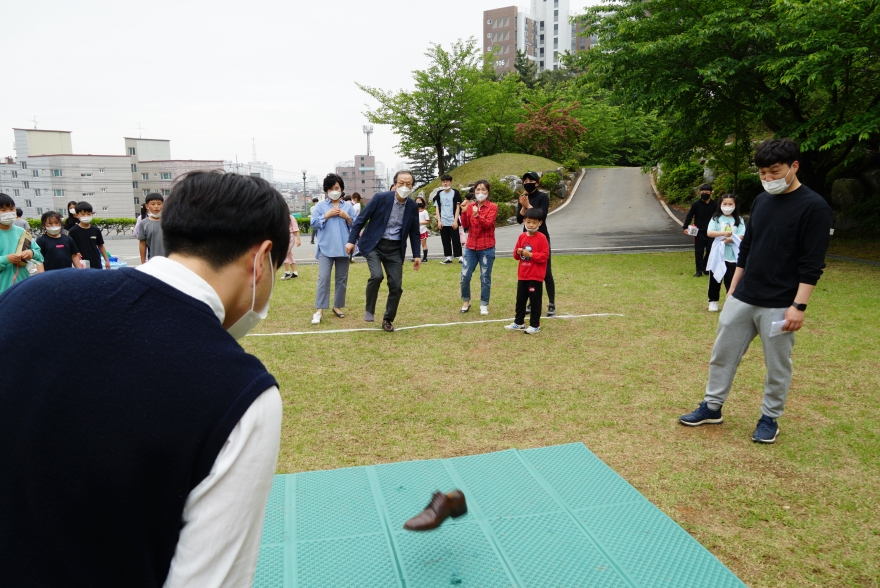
[613, 209]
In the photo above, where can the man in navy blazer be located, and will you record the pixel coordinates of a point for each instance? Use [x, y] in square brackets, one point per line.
[390, 218]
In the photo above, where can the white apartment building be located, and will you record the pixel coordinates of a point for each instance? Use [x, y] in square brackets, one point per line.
[46, 175]
[260, 169]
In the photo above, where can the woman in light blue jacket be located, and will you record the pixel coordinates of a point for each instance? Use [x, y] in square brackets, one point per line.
[332, 218]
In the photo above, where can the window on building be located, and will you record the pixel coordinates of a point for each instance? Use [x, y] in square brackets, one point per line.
[134, 185]
[28, 203]
[166, 192]
[555, 16]
[166, 175]
[57, 173]
[23, 165]
[40, 211]
[15, 192]
[542, 52]
[26, 184]
[100, 170]
[85, 175]
[362, 158]
[59, 192]
[542, 39]
[103, 189]
[145, 176]
[134, 168]
[556, 43]
[36, 191]
[146, 192]
[137, 200]
[556, 29]
[15, 173]
[363, 181]
[105, 208]
[36, 173]
[131, 151]
[541, 63]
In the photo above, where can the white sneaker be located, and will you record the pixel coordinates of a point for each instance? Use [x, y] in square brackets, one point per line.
[532, 330]
[713, 306]
[515, 327]
[286, 276]
[316, 318]
[484, 310]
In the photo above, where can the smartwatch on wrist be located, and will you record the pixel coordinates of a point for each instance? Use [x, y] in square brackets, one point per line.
[800, 307]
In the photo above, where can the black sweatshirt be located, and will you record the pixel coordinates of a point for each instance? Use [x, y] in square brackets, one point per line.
[540, 200]
[785, 244]
[701, 212]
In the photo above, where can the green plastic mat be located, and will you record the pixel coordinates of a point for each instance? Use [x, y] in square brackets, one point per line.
[554, 516]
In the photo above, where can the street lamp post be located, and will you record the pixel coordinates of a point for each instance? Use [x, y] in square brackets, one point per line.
[305, 195]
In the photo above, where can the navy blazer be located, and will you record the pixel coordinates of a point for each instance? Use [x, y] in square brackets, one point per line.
[377, 212]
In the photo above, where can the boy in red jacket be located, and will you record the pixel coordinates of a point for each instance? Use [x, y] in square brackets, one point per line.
[532, 251]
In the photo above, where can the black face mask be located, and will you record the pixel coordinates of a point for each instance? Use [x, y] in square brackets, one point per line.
[530, 187]
[705, 196]
[421, 205]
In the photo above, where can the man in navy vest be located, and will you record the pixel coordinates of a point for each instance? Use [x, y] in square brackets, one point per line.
[141, 447]
[392, 217]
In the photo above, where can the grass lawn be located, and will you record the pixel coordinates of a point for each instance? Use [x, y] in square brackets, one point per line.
[856, 246]
[499, 165]
[803, 512]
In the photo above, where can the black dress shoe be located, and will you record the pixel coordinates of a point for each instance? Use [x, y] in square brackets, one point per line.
[698, 274]
[387, 326]
[441, 507]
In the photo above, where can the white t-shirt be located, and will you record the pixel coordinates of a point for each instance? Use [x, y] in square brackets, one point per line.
[423, 216]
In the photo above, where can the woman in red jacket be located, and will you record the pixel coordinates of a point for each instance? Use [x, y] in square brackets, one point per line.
[478, 218]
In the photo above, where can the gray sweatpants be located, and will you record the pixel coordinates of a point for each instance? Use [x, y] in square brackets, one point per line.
[738, 324]
[325, 265]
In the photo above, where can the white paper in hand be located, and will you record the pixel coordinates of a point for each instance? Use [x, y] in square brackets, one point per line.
[776, 328]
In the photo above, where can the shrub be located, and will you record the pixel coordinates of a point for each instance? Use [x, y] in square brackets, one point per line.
[550, 180]
[500, 192]
[749, 188]
[505, 211]
[678, 184]
[571, 164]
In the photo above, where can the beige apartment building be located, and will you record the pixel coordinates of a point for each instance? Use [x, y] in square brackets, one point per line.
[361, 176]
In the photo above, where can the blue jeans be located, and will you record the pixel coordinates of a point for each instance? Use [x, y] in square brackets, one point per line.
[486, 258]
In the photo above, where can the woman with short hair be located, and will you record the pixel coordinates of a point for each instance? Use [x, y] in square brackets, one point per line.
[478, 218]
[332, 219]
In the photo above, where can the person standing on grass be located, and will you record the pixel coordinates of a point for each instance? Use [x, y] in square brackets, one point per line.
[532, 250]
[780, 261]
[534, 198]
[392, 217]
[447, 208]
[424, 221]
[59, 251]
[332, 218]
[163, 479]
[150, 231]
[701, 213]
[13, 266]
[289, 261]
[725, 223]
[478, 218]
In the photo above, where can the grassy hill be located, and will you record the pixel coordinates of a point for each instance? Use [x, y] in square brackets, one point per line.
[499, 165]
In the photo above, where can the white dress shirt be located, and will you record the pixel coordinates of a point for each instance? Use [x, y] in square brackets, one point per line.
[223, 516]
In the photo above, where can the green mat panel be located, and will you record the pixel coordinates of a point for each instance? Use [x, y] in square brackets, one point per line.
[553, 516]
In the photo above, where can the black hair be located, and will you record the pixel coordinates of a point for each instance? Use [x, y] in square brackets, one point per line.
[218, 216]
[482, 183]
[6, 200]
[47, 215]
[72, 202]
[404, 171]
[143, 211]
[83, 207]
[71, 219]
[19, 212]
[445, 177]
[421, 200]
[153, 196]
[736, 216]
[347, 198]
[534, 213]
[777, 151]
[331, 180]
[706, 187]
[314, 200]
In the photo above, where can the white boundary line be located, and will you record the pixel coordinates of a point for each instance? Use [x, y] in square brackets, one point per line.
[504, 320]
[662, 202]
[573, 192]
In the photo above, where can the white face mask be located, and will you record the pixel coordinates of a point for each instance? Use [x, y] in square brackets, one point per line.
[404, 192]
[728, 210]
[777, 186]
[154, 215]
[7, 218]
[481, 197]
[85, 220]
[53, 230]
[72, 211]
[334, 195]
[531, 231]
[447, 188]
[251, 318]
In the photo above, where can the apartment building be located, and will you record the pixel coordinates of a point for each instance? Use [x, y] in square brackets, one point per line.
[360, 176]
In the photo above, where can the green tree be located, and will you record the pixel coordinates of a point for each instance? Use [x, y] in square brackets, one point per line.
[494, 111]
[432, 115]
[526, 68]
[808, 69]
[549, 130]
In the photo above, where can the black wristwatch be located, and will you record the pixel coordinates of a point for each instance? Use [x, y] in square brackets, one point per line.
[800, 307]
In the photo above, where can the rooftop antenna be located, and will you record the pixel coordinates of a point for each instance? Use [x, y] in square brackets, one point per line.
[35, 121]
[254, 142]
[368, 130]
[140, 131]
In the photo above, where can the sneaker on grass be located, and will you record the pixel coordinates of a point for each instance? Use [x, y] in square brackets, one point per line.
[713, 306]
[702, 416]
[515, 327]
[532, 330]
[767, 430]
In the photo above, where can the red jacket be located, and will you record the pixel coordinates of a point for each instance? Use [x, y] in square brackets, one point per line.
[534, 268]
[481, 230]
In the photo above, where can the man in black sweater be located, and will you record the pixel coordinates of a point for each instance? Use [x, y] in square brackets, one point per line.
[780, 261]
[701, 213]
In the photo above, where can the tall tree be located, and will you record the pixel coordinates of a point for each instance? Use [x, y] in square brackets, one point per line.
[549, 130]
[432, 115]
[495, 109]
[803, 68]
[526, 68]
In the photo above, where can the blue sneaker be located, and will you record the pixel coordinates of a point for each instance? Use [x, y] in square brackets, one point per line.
[767, 430]
[702, 416]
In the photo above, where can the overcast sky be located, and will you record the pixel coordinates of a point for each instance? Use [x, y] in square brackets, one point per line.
[209, 76]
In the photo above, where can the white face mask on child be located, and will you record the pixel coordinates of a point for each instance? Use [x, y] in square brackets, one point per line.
[7, 218]
[728, 210]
